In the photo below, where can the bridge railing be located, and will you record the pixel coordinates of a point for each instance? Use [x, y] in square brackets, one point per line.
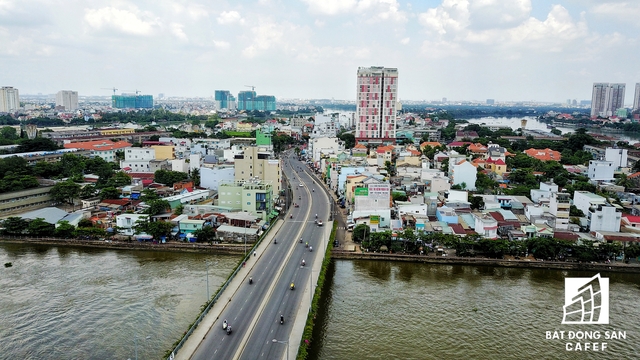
[219, 293]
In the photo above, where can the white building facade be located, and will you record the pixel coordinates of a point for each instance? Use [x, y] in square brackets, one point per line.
[9, 99]
[601, 170]
[68, 99]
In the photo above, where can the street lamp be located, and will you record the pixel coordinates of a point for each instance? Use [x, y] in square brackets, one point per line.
[276, 341]
[135, 340]
[207, 262]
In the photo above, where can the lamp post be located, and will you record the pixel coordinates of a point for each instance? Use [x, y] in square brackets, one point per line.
[276, 341]
[207, 263]
[135, 341]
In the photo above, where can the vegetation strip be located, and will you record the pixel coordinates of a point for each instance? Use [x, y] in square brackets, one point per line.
[307, 336]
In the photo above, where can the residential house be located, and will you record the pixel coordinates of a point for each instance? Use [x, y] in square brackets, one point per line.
[544, 154]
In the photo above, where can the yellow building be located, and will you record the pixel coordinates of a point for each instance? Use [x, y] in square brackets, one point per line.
[164, 152]
[352, 182]
[244, 127]
[256, 162]
[111, 132]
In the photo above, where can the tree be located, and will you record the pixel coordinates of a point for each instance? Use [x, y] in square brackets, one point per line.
[9, 133]
[39, 227]
[477, 202]
[157, 206]
[85, 223]
[14, 225]
[349, 140]
[179, 210]
[119, 179]
[157, 229]
[398, 196]
[65, 191]
[109, 193]
[168, 177]
[206, 234]
[149, 195]
[87, 191]
[361, 232]
[65, 230]
[195, 177]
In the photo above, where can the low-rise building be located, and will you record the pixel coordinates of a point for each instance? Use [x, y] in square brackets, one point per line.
[544, 154]
[106, 149]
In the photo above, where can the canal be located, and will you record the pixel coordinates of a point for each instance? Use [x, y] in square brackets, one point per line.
[77, 303]
[84, 303]
[380, 310]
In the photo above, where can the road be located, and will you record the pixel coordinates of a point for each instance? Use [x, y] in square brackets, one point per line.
[254, 310]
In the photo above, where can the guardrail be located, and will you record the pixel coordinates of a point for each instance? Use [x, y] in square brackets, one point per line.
[217, 295]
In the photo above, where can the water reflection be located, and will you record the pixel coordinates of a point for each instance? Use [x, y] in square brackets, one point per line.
[60, 303]
[453, 312]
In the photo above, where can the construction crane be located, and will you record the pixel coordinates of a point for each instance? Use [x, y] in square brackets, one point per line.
[253, 88]
[114, 89]
[136, 91]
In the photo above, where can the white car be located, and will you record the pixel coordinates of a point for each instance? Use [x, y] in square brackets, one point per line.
[319, 222]
[301, 185]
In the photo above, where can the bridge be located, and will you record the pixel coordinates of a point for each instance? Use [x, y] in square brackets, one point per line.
[253, 310]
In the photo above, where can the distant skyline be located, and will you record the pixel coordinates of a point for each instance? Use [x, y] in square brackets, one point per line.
[507, 50]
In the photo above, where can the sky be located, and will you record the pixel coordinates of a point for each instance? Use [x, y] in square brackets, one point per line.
[508, 50]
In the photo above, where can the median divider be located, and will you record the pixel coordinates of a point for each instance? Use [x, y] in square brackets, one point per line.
[213, 308]
[307, 334]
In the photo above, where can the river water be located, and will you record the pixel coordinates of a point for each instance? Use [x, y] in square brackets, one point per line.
[534, 124]
[73, 303]
[83, 303]
[381, 310]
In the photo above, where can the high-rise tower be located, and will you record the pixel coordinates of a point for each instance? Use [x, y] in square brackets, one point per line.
[68, 99]
[376, 104]
[636, 97]
[607, 98]
[9, 99]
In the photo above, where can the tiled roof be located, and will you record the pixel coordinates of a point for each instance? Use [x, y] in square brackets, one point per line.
[544, 154]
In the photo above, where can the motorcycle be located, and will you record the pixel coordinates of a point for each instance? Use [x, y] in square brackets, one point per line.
[292, 286]
[228, 330]
[250, 281]
[275, 241]
[281, 319]
[306, 245]
[310, 248]
[303, 263]
[291, 216]
[224, 325]
[300, 240]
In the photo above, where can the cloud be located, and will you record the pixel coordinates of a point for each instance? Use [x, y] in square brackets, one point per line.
[266, 35]
[405, 41]
[230, 17]
[176, 30]
[620, 11]
[220, 44]
[372, 10]
[330, 7]
[110, 18]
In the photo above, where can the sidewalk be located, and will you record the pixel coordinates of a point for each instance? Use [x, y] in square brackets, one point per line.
[207, 322]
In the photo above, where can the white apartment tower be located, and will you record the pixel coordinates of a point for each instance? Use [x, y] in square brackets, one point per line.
[9, 99]
[68, 99]
[607, 98]
[376, 104]
[636, 98]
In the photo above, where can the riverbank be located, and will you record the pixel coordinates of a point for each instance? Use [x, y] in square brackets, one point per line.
[235, 249]
[613, 267]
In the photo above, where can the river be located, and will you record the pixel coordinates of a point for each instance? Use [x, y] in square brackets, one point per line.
[381, 310]
[534, 124]
[76, 303]
[83, 303]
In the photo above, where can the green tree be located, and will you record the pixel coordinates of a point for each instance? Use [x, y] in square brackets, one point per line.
[477, 202]
[109, 193]
[87, 191]
[349, 140]
[179, 210]
[65, 230]
[9, 133]
[39, 227]
[168, 177]
[195, 177]
[65, 192]
[157, 229]
[119, 179]
[148, 195]
[157, 206]
[206, 234]
[14, 225]
[361, 232]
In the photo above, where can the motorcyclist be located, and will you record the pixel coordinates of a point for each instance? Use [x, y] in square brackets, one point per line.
[275, 241]
[281, 319]
[254, 253]
[310, 248]
[306, 244]
[250, 280]
[303, 263]
[300, 240]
